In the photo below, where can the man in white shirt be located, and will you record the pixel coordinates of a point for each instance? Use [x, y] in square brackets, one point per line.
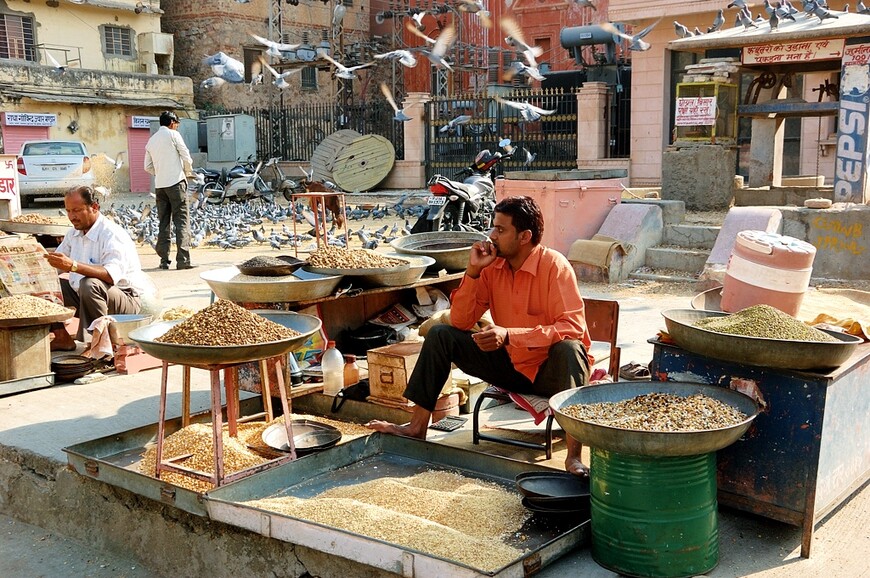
[167, 158]
[105, 276]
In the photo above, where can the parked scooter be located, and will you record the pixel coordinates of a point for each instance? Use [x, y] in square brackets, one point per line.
[466, 205]
[244, 187]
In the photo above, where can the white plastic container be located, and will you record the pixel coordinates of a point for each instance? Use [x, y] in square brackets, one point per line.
[332, 364]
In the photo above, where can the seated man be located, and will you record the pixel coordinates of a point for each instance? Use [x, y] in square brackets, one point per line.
[105, 276]
[539, 342]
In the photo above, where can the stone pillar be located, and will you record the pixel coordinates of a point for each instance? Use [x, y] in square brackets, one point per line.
[851, 174]
[592, 121]
[765, 148]
[414, 106]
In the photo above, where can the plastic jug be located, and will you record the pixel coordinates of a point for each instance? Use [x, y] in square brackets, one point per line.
[332, 365]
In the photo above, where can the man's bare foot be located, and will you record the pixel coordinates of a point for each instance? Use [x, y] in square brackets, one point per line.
[399, 430]
[576, 467]
[61, 341]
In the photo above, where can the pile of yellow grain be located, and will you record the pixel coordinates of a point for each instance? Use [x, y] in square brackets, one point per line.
[444, 514]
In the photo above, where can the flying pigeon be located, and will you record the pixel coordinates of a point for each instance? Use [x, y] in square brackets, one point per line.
[635, 41]
[476, 7]
[417, 17]
[528, 157]
[116, 163]
[405, 57]
[342, 71]
[275, 48]
[442, 44]
[55, 63]
[518, 67]
[454, 122]
[338, 13]
[413, 30]
[280, 77]
[529, 112]
[515, 39]
[255, 80]
[718, 22]
[400, 113]
[226, 67]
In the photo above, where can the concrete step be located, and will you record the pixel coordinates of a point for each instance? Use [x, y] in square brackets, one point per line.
[691, 236]
[679, 259]
[663, 275]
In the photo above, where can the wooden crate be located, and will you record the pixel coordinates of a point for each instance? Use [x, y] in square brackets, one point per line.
[390, 367]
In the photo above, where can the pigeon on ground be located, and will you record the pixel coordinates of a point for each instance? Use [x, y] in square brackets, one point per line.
[400, 113]
[783, 13]
[746, 19]
[275, 48]
[774, 20]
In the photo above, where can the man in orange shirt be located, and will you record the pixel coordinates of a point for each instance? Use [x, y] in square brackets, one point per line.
[539, 342]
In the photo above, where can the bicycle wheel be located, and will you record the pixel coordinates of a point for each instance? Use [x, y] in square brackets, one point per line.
[214, 193]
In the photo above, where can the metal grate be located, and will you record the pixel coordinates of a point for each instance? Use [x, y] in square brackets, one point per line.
[16, 37]
[118, 41]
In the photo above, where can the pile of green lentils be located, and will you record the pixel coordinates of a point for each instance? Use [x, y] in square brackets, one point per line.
[766, 322]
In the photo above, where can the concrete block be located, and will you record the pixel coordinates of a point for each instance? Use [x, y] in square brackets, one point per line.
[673, 212]
[692, 236]
[688, 260]
[743, 219]
[701, 176]
[841, 236]
[804, 181]
[638, 225]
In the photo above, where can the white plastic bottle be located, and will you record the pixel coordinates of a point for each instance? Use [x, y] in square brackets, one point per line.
[332, 365]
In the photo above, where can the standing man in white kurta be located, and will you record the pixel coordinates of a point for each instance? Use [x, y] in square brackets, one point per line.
[167, 158]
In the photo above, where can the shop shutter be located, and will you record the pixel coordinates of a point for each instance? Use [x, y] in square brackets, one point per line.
[15, 136]
[137, 138]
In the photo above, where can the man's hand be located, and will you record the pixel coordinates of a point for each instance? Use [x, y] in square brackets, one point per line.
[483, 254]
[492, 338]
[59, 261]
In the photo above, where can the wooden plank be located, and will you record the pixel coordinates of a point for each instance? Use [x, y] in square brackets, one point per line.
[364, 164]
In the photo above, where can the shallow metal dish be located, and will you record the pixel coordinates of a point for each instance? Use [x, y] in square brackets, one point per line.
[120, 328]
[41, 320]
[362, 272]
[229, 283]
[647, 443]
[308, 436]
[552, 485]
[709, 300]
[292, 263]
[778, 353]
[214, 355]
[450, 249]
[53, 230]
[419, 264]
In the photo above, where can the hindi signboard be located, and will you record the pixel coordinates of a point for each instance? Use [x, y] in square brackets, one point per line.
[805, 51]
[29, 119]
[696, 111]
[10, 200]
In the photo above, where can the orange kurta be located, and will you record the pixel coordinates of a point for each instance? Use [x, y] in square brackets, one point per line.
[539, 305]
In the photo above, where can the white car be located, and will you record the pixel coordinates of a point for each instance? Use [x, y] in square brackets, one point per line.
[48, 168]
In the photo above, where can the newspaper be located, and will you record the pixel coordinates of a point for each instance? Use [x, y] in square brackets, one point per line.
[398, 317]
[24, 271]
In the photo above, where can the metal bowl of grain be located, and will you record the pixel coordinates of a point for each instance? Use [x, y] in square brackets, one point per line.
[651, 443]
[759, 351]
[205, 355]
[450, 249]
[120, 328]
[419, 264]
[231, 284]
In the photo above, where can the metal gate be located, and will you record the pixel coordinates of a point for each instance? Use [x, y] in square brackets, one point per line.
[547, 143]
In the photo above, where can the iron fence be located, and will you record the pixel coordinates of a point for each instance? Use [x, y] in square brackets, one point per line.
[292, 133]
[547, 143]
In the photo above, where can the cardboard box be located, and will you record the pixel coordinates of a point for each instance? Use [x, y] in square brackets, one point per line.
[390, 367]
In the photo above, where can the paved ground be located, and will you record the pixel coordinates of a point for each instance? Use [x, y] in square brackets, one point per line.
[749, 545]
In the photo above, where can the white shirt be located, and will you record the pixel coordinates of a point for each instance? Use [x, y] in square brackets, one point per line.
[108, 245]
[167, 157]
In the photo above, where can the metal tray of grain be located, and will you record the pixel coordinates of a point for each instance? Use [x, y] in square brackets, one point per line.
[54, 230]
[778, 353]
[229, 283]
[419, 264]
[651, 443]
[378, 456]
[115, 459]
[206, 355]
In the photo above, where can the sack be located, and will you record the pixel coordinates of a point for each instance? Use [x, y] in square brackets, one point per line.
[357, 392]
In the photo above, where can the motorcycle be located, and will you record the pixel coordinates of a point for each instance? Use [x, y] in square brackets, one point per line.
[243, 186]
[466, 205]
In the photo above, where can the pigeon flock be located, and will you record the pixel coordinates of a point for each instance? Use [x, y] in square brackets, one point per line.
[237, 225]
[774, 15]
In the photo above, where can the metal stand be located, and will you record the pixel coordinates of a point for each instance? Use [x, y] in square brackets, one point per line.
[231, 388]
[317, 201]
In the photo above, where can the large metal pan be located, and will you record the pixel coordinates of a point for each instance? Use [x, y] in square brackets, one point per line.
[361, 272]
[778, 353]
[224, 354]
[450, 249]
[53, 230]
[230, 284]
[419, 264]
[646, 443]
[709, 300]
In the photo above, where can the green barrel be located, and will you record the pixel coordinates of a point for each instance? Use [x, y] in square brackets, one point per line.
[654, 516]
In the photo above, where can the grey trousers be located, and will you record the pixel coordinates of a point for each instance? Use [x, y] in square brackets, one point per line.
[95, 299]
[172, 209]
[567, 366]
